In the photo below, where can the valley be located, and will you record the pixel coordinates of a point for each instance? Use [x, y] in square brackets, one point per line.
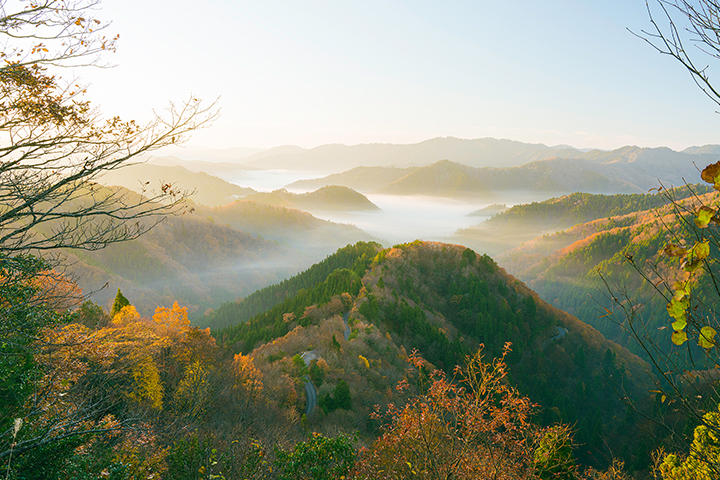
[312, 298]
[359, 240]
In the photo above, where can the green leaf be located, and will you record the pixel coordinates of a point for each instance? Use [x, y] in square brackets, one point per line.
[678, 338]
[691, 267]
[679, 324]
[707, 337]
[682, 290]
[703, 216]
[676, 308]
[701, 250]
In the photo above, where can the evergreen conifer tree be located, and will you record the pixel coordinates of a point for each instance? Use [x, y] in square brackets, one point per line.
[119, 303]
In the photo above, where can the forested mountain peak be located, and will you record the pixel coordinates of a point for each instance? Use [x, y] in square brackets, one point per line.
[327, 198]
[445, 301]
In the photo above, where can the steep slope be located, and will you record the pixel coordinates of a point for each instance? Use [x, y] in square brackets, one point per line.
[209, 256]
[191, 260]
[566, 268]
[265, 299]
[524, 222]
[445, 301]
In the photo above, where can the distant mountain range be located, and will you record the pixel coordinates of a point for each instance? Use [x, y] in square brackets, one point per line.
[477, 167]
[486, 152]
[482, 152]
[634, 171]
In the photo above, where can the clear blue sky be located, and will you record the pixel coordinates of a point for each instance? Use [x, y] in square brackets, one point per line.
[315, 72]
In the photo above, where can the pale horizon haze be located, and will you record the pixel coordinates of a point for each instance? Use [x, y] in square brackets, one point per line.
[318, 72]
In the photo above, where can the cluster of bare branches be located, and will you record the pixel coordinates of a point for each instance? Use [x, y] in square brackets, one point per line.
[54, 146]
[688, 31]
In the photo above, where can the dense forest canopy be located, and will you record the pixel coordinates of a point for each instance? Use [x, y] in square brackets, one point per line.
[421, 360]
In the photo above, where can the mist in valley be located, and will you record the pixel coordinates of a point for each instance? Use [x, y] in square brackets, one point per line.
[401, 218]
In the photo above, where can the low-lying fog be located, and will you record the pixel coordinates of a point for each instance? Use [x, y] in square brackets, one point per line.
[401, 218]
[404, 219]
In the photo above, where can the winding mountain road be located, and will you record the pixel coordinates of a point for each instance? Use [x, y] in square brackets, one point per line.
[310, 390]
[347, 327]
[562, 331]
[312, 400]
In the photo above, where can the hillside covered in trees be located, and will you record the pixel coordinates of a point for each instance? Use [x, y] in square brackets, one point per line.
[524, 222]
[328, 198]
[445, 301]
[322, 351]
[579, 269]
[209, 255]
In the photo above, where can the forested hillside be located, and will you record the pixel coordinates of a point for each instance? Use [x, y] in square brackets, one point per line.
[310, 235]
[524, 222]
[351, 257]
[208, 255]
[187, 259]
[328, 198]
[570, 269]
[445, 301]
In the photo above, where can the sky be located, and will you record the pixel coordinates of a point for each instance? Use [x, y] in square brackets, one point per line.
[317, 72]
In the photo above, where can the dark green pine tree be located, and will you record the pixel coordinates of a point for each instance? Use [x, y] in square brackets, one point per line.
[342, 396]
[119, 303]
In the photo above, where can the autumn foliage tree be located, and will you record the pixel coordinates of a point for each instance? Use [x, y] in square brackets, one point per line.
[53, 147]
[475, 426]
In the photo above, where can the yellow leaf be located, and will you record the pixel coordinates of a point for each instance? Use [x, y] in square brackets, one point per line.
[676, 308]
[703, 216]
[690, 267]
[678, 338]
[682, 290]
[672, 250]
[711, 173]
[701, 250]
[679, 324]
[707, 337]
